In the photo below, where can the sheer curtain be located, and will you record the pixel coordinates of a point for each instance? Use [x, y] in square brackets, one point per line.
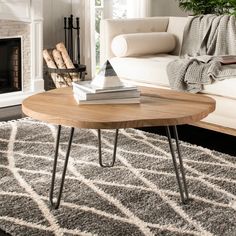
[87, 35]
[138, 8]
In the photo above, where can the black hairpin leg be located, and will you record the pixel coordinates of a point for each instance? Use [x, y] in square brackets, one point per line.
[100, 149]
[57, 203]
[183, 188]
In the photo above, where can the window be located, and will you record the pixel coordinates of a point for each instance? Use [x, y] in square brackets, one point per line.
[99, 14]
[107, 9]
[119, 9]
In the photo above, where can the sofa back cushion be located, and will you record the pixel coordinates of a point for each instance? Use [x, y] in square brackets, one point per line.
[138, 44]
[176, 26]
[111, 28]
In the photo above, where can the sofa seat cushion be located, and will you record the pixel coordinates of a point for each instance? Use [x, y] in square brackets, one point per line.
[152, 70]
[225, 88]
[225, 114]
[146, 69]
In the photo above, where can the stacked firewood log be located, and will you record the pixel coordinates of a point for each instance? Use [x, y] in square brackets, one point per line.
[59, 58]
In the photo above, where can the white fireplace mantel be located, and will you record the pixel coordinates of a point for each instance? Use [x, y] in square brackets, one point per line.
[29, 12]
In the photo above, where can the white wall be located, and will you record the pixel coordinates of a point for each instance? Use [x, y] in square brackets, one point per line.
[54, 12]
[166, 8]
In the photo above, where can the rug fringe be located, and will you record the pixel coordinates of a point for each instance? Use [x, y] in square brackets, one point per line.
[13, 121]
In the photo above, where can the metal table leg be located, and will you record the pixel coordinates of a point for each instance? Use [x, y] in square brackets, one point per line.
[100, 149]
[57, 203]
[183, 188]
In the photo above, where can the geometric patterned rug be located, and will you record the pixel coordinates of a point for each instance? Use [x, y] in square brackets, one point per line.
[138, 196]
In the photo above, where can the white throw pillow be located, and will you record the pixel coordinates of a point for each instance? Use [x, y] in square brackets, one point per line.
[137, 44]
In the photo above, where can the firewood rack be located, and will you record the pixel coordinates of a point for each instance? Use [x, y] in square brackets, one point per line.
[80, 69]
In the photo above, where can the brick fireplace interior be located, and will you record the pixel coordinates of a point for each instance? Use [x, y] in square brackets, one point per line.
[10, 65]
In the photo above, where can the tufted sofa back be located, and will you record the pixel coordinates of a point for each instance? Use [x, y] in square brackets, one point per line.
[111, 28]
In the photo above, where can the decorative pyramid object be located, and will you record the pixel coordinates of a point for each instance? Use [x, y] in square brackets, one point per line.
[106, 77]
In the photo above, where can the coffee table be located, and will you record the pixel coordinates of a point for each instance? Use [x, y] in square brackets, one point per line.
[158, 107]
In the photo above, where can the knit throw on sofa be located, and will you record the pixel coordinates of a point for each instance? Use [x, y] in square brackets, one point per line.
[205, 38]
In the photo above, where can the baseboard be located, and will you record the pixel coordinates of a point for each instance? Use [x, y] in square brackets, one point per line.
[214, 127]
[14, 98]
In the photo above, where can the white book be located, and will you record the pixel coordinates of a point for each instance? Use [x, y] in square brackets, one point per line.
[82, 94]
[86, 85]
[109, 101]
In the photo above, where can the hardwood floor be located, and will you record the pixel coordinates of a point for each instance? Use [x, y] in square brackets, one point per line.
[203, 137]
[10, 113]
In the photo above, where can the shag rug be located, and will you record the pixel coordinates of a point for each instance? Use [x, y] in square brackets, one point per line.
[139, 196]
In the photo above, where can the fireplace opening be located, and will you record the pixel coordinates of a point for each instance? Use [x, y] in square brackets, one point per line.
[10, 65]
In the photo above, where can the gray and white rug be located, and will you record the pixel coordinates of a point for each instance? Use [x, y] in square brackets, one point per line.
[139, 196]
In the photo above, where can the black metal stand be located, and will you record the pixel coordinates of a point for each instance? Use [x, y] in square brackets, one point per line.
[57, 203]
[100, 149]
[69, 39]
[180, 180]
[183, 188]
[81, 69]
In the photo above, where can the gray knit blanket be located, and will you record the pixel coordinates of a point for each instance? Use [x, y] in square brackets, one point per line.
[192, 74]
[210, 36]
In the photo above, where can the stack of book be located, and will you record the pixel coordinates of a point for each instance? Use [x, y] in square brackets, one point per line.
[105, 88]
[87, 93]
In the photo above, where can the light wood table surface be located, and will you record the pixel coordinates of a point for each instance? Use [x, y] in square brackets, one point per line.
[158, 107]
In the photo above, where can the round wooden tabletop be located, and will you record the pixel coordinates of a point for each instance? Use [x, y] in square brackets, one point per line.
[158, 107]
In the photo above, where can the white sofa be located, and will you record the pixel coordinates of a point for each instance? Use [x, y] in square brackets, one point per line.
[150, 70]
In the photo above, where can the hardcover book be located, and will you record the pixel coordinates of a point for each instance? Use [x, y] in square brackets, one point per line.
[228, 59]
[85, 95]
[108, 101]
[87, 86]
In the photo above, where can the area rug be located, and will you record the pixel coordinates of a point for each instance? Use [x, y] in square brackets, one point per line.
[139, 196]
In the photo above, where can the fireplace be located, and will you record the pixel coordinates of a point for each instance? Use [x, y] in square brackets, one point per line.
[10, 65]
[21, 46]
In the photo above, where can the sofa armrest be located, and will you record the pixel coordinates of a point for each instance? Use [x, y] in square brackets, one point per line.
[110, 28]
[176, 26]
